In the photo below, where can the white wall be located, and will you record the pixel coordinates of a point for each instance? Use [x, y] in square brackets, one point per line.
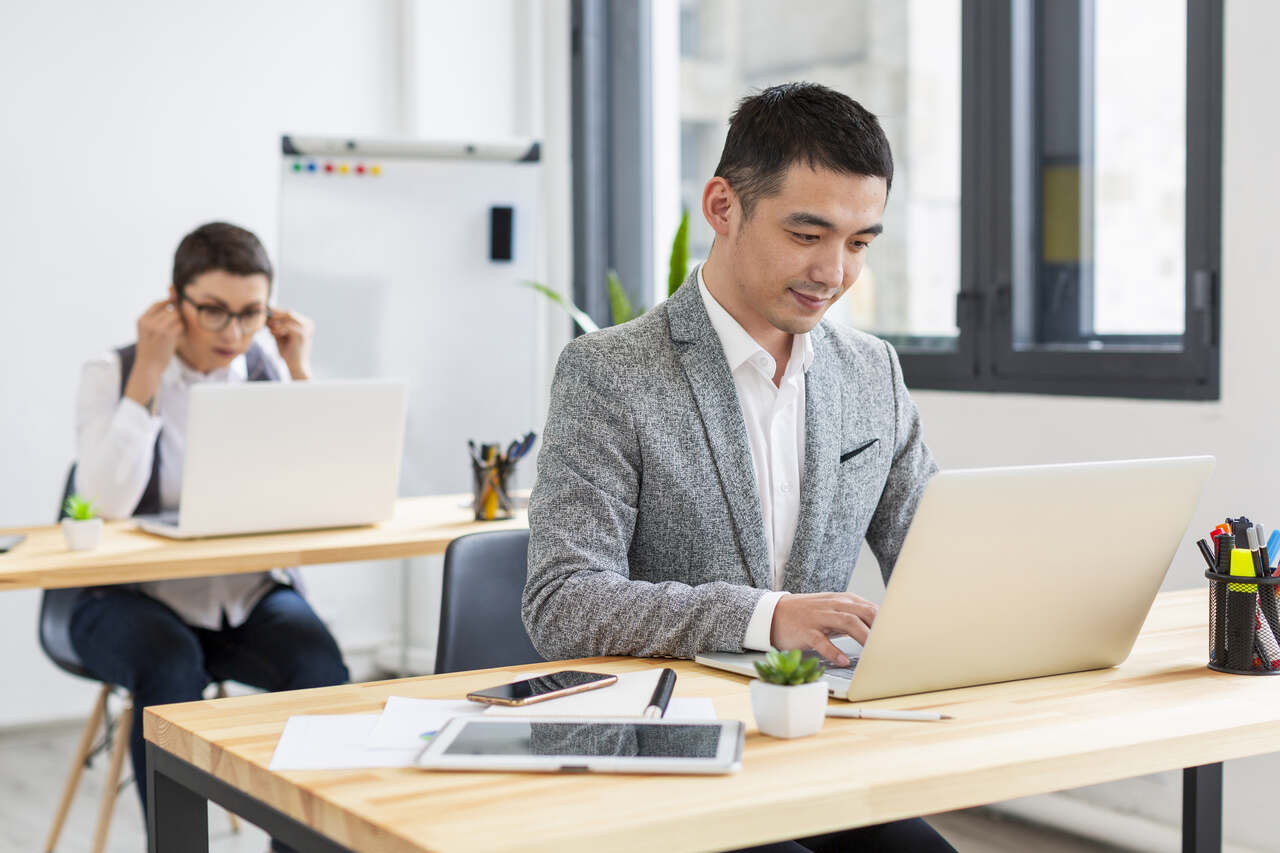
[124, 126]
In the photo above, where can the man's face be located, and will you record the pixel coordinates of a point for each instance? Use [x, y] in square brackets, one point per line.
[218, 295]
[803, 247]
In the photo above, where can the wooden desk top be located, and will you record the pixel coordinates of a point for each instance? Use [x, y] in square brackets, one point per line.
[421, 526]
[1160, 710]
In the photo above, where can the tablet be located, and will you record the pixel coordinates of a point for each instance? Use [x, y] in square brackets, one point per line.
[550, 744]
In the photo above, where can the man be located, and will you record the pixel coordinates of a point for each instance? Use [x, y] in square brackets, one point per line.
[166, 640]
[709, 471]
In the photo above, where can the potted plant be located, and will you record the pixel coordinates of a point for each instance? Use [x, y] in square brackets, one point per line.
[789, 699]
[82, 528]
[620, 308]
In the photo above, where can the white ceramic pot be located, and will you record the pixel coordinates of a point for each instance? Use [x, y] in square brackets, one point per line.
[82, 535]
[791, 710]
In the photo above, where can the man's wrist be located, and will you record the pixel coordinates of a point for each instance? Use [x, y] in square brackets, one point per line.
[759, 634]
[299, 372]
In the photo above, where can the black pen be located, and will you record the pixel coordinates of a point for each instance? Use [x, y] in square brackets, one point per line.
[661, 694]
[1207, 553]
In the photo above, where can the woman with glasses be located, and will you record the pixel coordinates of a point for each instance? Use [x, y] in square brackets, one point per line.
[165, 641]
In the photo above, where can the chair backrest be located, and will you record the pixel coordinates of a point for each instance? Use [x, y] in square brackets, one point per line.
[56, 608]
[480, 624]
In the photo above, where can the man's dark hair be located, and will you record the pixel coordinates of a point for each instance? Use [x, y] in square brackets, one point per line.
[219, 246]
[799, 123]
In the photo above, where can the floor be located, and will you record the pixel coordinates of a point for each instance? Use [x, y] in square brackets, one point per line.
[28, 800]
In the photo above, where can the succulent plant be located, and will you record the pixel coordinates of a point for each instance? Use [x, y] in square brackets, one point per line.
[79, 508]
[790, 667]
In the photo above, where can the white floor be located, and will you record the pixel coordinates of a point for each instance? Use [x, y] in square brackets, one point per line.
[36, 760]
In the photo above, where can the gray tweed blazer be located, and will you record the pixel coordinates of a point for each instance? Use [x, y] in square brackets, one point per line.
[646, 533]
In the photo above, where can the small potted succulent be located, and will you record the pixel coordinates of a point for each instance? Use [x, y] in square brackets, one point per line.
[82, 527]
[789, 699]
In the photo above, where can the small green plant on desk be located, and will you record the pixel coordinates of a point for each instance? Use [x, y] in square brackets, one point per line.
[789, 699]
[790, 667]
[79, 508]
[82, 528]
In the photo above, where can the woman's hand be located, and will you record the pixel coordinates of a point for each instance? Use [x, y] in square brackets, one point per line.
[160, 330]
[293, 333]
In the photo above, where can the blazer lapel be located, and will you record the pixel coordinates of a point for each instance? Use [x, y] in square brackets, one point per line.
[702, 357]
[823, 408]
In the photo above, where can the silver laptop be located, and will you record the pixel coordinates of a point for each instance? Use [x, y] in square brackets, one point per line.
[264, 456]
[1011, 573]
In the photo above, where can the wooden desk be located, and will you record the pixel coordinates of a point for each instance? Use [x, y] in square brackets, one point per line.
[421, 526]
[1160, 710]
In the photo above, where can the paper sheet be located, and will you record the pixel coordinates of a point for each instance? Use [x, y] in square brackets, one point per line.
[335, 742]
[404, 721]
[690, 708]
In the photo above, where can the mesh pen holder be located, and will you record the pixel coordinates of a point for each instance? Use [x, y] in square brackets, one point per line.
[492, 502]
[1244, 624]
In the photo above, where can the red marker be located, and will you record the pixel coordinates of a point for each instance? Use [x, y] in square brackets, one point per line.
[359, 168]
[328, 167]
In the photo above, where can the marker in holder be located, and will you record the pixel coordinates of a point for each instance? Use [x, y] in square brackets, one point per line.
[1237, 602]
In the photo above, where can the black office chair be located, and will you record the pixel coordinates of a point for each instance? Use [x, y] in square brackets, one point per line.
[480, 624]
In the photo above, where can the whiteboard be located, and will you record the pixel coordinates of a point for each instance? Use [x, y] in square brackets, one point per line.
[391, 259]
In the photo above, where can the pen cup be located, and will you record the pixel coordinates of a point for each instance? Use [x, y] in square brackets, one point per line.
[492, 502]
[1244, 623]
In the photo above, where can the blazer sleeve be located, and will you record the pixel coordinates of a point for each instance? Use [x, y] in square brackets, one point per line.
[579, 599]
[910, 470]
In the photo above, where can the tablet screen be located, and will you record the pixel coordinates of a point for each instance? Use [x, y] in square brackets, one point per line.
[636, 740]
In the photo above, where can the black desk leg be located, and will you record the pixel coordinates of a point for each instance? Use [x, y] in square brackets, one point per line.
[1202, 809]
[177, 817]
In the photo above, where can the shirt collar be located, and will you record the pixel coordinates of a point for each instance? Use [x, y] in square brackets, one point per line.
[739, 346]
[178, 371]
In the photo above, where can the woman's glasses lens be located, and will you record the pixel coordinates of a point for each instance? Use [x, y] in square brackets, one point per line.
[213, 318]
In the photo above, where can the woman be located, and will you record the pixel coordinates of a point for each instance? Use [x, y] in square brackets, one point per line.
[165, 641]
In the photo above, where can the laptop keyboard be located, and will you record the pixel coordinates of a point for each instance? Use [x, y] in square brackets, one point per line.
[833, 670]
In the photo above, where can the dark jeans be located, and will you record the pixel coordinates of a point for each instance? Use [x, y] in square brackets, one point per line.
[133, 640]
[908, 836]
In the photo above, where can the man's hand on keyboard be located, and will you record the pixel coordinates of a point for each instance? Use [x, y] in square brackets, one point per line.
[809, 620]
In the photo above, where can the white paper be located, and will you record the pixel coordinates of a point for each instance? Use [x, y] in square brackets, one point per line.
[690, 708]
[335, 742]
[405, 721]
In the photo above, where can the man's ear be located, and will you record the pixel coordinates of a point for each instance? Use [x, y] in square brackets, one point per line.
[719, 203]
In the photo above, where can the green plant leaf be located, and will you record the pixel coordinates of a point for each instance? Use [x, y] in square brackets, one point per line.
[679, 267]
[619, 304]
[579, 316]
[79, 508]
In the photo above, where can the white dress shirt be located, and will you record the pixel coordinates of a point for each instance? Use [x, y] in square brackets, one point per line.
[774, 416]
[115, 446]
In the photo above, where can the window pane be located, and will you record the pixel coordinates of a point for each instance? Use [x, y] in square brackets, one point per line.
[899, 60]
[1109, 151]
[1140, 167]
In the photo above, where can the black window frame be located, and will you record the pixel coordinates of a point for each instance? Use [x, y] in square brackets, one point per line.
[997, 42]
[613, 177]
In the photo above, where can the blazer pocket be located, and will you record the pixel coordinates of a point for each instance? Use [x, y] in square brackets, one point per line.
[857, 451]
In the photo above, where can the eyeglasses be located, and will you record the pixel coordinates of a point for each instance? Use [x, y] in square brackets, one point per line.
[215, 318]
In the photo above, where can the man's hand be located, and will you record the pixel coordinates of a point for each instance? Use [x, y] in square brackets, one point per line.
[293, 333]
[160, 329]
[808, 621]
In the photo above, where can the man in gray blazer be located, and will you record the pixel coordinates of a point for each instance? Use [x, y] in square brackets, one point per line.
[709, 471]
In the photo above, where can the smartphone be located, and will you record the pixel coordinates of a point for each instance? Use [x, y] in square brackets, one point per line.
[564, 683]
[9, 542]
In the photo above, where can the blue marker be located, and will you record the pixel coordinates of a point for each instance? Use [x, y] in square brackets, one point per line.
[1273, 544]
